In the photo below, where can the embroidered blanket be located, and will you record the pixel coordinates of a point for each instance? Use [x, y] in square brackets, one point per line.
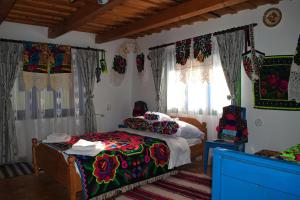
[271, 90]
[127, 159]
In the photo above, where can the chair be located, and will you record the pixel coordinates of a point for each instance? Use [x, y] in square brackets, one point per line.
[232, 131]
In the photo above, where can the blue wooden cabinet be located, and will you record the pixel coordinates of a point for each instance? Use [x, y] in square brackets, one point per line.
[239, 176]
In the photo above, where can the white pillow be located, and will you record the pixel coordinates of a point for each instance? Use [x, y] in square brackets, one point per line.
[187, 130]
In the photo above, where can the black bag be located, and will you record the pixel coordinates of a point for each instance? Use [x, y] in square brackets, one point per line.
[140, 108]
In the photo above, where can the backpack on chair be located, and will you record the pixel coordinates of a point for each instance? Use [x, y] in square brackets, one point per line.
[140, 108]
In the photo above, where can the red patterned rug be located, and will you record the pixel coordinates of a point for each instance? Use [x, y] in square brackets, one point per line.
[182, 186]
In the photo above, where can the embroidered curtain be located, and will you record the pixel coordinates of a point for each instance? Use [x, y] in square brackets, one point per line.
[87, 63]
[198, 89]
[157, 57]
[231, 46]
[47, 64]
[40, 112]
[10, 58]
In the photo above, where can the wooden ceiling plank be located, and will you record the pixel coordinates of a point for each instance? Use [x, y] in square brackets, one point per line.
[48, 5]
[22, 21]
[82, 16]
[173, 14]
[33, 14]
[6, 6]
[39, 9]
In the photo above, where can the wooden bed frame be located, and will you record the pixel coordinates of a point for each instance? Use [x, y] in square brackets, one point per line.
[55, 165]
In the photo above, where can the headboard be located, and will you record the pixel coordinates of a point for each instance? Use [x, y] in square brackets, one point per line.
[200, 125]
[239, 175]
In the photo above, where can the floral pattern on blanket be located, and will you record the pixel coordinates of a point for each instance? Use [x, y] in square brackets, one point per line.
[127, 159]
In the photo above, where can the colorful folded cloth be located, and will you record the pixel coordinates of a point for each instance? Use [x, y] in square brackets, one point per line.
[57, 138]
[86, 148]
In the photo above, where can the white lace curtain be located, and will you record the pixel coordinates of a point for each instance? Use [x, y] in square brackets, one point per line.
[40, 112]
[198, 89]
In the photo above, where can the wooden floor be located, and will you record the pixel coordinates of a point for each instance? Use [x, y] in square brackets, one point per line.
[43, 187]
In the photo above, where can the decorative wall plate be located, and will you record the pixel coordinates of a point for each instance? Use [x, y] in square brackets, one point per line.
[272, 17]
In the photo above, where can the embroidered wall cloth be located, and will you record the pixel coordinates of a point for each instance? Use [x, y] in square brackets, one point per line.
[40, 60]
[271, 90]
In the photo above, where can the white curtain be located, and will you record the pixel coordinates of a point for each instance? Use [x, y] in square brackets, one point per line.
[40, 112]
[198, 89]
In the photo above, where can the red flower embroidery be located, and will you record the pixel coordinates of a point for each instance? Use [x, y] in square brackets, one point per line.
[160, 153]
[272, 79]
[263, 91]
[105, 167]
[283, 85]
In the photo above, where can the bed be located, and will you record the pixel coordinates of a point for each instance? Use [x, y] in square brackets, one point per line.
[54, 162]
[239, 175]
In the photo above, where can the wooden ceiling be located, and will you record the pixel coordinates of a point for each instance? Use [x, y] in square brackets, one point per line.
[118, 18]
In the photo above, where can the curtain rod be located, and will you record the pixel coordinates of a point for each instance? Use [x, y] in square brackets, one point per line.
[215, 33]
[74, 47]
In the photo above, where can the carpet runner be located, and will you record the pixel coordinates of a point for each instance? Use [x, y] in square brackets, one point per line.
[182, 186]
[15, 169]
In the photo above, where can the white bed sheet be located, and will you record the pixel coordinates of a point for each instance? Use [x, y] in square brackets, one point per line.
[180, 152]
[193, 141]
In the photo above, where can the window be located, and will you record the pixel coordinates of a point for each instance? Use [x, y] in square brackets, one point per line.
[197, 88]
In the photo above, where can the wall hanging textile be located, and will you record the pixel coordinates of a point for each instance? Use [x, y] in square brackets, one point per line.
[202, 47]
[10, 58]
[44, 62]
[271, 90]
[119, 64]
[183, 51]
[140, 61]
[252, 59]
[231, 47]
[294, 80]
[87, 62]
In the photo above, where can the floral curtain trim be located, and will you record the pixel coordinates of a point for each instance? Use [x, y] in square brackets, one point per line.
[40, 60]
[35, 57]
[183, 51]
[59, 59]
[119, 64]
[202, 47]
[140, 61]
[271, 90]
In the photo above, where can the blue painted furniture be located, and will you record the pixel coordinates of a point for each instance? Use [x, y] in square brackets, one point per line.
[238, 176]
[222, 144]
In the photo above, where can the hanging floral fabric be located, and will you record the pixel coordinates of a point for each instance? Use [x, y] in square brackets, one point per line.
[41, 60]
[35, 65]
[252, 59]
[202, 47]
[60, 66]
[140, 60]
[119, 64]
[183, 51]
[294, 79]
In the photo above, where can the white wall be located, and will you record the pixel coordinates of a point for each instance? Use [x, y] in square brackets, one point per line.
[106, 94]
[280, 129]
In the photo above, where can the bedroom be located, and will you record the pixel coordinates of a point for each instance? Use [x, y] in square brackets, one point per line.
[114, 96]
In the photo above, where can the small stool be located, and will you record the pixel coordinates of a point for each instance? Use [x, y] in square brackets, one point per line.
[222, 144]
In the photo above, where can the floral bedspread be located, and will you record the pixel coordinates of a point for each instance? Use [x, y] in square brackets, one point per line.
[127, 159]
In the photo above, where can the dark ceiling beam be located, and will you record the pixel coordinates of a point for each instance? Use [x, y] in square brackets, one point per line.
[170, 15]
[5, 6]
[82, 16]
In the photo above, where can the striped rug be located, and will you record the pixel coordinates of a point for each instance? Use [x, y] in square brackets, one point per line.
[182, 186]
[15, 169]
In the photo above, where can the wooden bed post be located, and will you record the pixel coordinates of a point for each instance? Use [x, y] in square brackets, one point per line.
[203, 147]
[72, 173]
[34, 156]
